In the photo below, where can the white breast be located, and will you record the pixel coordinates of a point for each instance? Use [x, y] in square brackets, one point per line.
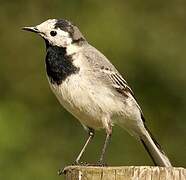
[73, 95]
[86, 101]
[90, 100]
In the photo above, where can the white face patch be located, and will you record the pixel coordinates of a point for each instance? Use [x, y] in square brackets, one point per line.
[61, 39]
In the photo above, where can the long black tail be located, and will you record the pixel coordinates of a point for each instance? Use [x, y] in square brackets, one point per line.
[154, 149]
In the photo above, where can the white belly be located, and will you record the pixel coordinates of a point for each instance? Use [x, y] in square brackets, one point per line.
[90, 102]
[77, 100]
[87, 103]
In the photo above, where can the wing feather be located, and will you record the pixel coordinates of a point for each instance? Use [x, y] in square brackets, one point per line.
[118, 82]
[98, 63]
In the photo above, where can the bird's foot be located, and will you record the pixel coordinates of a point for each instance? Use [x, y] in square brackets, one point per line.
[101, 164]
[61, 172]
[77, 163]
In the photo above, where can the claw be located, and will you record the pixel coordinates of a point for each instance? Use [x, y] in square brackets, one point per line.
[101, 163]
[61, 171]
[77, 163]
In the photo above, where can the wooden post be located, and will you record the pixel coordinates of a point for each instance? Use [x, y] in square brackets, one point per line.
[124, 173]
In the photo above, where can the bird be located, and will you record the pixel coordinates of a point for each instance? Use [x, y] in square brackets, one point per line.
[90, 87]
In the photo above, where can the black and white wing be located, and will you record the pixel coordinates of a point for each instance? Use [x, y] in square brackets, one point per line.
[120, 85]
[107, 73]
[117, 81]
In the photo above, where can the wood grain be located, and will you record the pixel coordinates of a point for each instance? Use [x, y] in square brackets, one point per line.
[124, 173]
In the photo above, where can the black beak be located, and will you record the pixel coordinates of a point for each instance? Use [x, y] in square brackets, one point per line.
[31, 29]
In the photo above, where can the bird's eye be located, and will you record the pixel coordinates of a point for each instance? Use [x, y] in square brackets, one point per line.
[53, 33]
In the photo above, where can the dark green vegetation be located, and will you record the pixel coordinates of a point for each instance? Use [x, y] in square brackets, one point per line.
[146, 40]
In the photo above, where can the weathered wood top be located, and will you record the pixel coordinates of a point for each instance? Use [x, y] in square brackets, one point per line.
[124, 173]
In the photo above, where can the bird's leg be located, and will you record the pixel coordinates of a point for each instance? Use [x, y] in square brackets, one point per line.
[107, 140]
[91, 135]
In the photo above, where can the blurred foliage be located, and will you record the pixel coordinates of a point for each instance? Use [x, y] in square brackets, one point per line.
[146, 40]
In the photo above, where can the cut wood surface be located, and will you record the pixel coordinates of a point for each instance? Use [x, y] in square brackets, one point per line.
[124, 173]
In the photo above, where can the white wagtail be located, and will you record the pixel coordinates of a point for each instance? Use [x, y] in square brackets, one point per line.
[90, 87]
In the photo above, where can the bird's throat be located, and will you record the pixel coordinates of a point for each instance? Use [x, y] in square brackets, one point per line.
[58, 64]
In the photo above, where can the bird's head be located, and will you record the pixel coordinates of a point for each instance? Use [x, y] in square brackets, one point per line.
[61, 33]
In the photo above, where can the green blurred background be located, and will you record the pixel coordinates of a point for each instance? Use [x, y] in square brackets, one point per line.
[145, 39]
